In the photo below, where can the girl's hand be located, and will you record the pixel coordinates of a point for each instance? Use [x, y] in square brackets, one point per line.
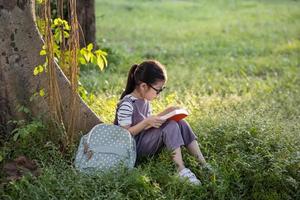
[153, 121]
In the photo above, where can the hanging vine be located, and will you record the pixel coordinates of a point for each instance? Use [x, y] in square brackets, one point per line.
[54, 94]
[62, 47]
[73, 49]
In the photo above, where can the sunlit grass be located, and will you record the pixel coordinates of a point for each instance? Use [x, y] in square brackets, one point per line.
[233, 64]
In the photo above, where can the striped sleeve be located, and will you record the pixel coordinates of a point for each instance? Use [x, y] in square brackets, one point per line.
[124, 114]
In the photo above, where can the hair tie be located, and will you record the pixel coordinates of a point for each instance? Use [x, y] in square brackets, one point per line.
[133, 71]
[135, 66]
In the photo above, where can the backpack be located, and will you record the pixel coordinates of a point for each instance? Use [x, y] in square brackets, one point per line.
[104, 148]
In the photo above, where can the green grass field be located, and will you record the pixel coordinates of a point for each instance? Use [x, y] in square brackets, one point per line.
[234, 64]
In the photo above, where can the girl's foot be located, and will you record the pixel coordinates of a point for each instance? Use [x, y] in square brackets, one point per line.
[187, 173]
[207, 167]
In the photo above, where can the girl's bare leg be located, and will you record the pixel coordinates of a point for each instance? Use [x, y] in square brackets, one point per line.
[194, 149]
[177, 158]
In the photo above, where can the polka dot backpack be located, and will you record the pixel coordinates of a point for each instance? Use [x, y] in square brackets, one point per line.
[104, 148]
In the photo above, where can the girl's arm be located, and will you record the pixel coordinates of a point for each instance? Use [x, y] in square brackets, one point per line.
[152, 121]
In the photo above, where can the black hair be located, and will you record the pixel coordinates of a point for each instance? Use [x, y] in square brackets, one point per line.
[149, 72]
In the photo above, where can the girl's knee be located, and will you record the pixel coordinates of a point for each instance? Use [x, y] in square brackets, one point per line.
[171, 124]
[171, 127]
[182, 123]
[172, 137]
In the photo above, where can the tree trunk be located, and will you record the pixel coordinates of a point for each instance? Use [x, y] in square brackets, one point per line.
[20, 44]
[86, 19]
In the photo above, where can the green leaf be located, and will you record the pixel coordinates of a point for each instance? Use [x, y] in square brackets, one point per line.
[16, 136]
[82, 60]
[16, 129]
[45, 65]
[20, 108]
[100, 62]
[42, 92]
[94, 60]
[99, 52]
[35, 71]
[91, 55]
[90, 47]
[57, 36]
[33, 97]
[104, 59]
[39, 1]
[24, 132]
[43, 52]
[26, 110]
[66, 34]
[84, 52]
[56, 21]
[38, 69]
[67, 27]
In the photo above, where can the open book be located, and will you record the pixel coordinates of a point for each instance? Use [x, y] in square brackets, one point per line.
[175, 115]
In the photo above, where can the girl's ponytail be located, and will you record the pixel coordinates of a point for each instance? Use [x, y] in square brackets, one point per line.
[130, 81]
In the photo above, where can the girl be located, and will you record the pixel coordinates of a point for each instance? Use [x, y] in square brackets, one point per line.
[145, 82]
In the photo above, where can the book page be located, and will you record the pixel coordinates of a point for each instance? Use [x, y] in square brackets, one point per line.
[180, 113]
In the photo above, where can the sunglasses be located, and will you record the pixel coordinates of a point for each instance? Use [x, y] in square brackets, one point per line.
[157, 90]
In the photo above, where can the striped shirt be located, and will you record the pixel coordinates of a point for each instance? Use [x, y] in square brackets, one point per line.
[125, 112]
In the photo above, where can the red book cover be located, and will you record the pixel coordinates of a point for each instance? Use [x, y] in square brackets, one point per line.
[175, 115]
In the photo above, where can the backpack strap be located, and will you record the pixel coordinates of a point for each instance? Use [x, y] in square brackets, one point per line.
[90, 134]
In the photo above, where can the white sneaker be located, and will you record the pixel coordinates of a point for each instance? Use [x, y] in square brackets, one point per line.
[187, 173]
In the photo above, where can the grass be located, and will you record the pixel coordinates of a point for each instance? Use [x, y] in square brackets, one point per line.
[233, 64]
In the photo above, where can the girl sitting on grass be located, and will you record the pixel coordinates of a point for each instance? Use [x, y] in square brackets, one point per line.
[145, 82]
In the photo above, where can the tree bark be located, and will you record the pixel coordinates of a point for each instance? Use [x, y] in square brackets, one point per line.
[20, 44]
[86, 19]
